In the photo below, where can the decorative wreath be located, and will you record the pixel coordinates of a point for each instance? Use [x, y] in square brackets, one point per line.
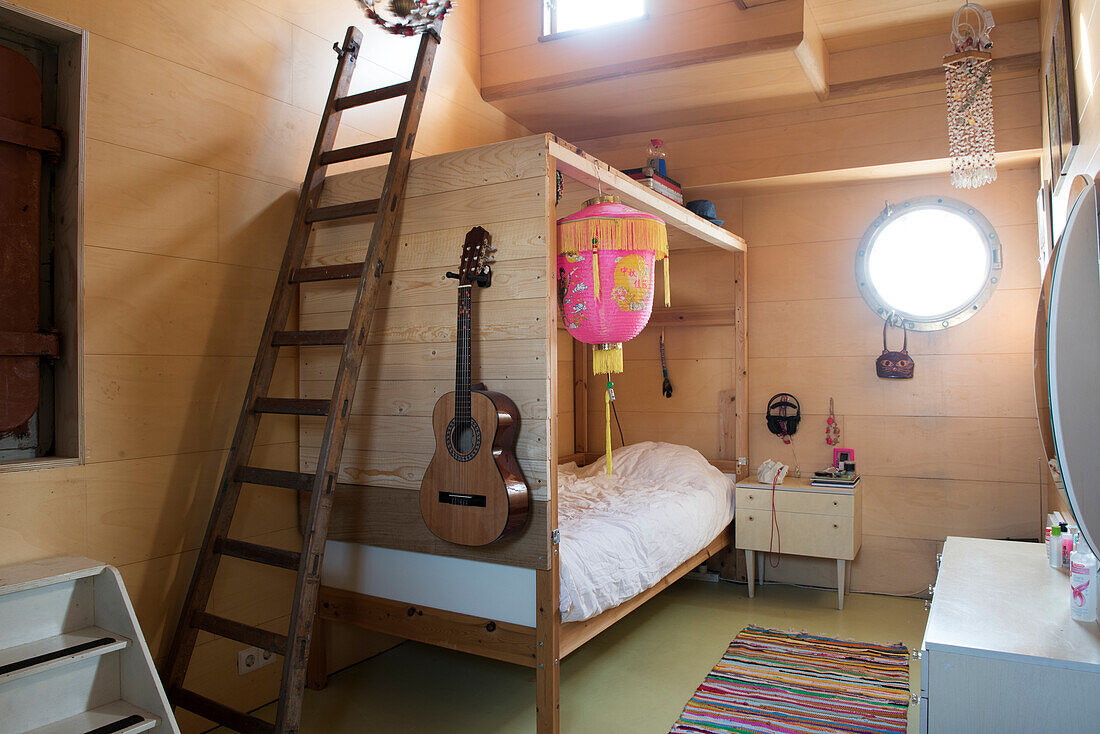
[405, 17]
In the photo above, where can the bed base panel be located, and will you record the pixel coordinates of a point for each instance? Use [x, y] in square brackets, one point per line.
[511, 643]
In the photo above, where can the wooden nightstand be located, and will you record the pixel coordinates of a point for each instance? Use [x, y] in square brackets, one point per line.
[823, 522]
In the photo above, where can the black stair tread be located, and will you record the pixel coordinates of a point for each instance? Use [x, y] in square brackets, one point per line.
[116, 717]
[375, 95]
[274, 478]
[355, 152]
[343, 211]
[326, 272]
[310, 338]
[245, 633]
[219, 713]
[291, 406]
[257, 553]
[37, 656]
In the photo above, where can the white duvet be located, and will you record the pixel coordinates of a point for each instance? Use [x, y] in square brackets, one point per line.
[665, 504]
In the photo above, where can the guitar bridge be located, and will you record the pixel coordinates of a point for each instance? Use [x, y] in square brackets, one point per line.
[463, 500]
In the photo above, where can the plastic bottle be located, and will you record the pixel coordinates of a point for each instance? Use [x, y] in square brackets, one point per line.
[1082, 584]
[1055, 555]
[1046, 540]
[655, 156]
[1067, 543]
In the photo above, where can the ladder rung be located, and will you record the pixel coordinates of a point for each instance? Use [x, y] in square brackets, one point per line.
[374, 95]
[351, 153]
[243, 633]
[256, 553]
[326, 272]
[291, 406]
[274, 478]
[219, 713]
[316, 338]
[342, 211]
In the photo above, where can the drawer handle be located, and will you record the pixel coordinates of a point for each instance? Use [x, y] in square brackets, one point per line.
[751, 496]
[835, 525]
[834, 503]
[750, 517]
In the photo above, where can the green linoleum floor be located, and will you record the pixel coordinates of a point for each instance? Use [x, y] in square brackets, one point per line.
[633, 678]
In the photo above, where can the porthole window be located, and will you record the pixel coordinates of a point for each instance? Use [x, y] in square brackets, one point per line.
[928, 263]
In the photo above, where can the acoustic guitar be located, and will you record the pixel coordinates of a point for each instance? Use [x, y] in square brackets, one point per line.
[473, 492]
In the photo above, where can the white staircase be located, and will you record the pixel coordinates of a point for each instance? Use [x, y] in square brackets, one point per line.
[72, 657]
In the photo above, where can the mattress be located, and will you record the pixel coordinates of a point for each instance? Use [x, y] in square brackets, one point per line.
[620, 537]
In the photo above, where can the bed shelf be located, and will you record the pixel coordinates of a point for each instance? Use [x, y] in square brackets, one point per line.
[108, 718]
[48, 653]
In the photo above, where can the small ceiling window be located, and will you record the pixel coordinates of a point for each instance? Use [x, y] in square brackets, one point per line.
[928, 263]
[563, 16]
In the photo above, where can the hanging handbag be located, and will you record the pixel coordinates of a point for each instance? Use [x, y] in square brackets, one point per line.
[894, 365]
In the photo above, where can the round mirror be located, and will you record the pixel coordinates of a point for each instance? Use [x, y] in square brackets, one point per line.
[930, 262]
[1072, 365]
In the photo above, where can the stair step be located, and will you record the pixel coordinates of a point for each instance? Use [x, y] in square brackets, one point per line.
[375, 95]
[291, 406]
[48, 653]
[343, 211]
[355, 152]
[274, 478]
[313, 338]
[219, 713]
[326, 272]
[117, 717]
[259, 553]
[245, 633]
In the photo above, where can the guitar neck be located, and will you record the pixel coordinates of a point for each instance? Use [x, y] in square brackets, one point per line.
[462, 358]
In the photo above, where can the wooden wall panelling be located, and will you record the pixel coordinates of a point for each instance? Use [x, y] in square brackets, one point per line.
[191, 159]
[410, 360]
[752, 148]
[955, 450]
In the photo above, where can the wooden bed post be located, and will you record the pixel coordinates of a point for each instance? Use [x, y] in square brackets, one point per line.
[580, 397]
[733, 412]
[548, 581]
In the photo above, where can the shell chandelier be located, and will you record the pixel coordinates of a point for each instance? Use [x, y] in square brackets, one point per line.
[969, 73]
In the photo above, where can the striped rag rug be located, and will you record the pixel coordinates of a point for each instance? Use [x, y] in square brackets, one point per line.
[786, 683]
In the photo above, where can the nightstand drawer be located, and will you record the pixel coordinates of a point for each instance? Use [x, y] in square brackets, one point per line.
[825, 536]
[812, 503]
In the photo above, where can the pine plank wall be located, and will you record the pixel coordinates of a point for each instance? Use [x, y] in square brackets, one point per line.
[200, 120]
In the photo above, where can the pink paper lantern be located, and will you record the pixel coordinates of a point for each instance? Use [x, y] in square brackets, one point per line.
[606, 257]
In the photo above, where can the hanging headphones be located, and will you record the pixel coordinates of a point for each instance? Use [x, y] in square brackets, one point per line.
[781, 421]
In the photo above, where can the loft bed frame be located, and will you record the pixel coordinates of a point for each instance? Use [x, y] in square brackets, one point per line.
[508, 188]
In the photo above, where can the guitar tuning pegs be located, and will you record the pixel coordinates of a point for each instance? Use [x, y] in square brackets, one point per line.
[490, 259]
[490, 248]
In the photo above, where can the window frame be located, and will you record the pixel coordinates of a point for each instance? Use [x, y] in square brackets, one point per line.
[882, 307]
[549, 23]
[67, 220]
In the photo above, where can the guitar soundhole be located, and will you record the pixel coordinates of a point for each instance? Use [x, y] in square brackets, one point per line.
[463, 440]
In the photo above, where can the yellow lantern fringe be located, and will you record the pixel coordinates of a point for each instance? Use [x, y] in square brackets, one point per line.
[607, 358]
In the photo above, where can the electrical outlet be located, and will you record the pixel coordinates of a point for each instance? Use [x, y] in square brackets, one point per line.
[252, 658]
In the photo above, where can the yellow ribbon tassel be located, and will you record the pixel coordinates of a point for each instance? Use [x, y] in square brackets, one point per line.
[668, 286]
[607, 417]
[595, 272]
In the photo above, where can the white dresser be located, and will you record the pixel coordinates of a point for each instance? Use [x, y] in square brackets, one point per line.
[1000, 651]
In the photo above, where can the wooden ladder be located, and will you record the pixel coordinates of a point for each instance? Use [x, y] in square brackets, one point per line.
[294, 646]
